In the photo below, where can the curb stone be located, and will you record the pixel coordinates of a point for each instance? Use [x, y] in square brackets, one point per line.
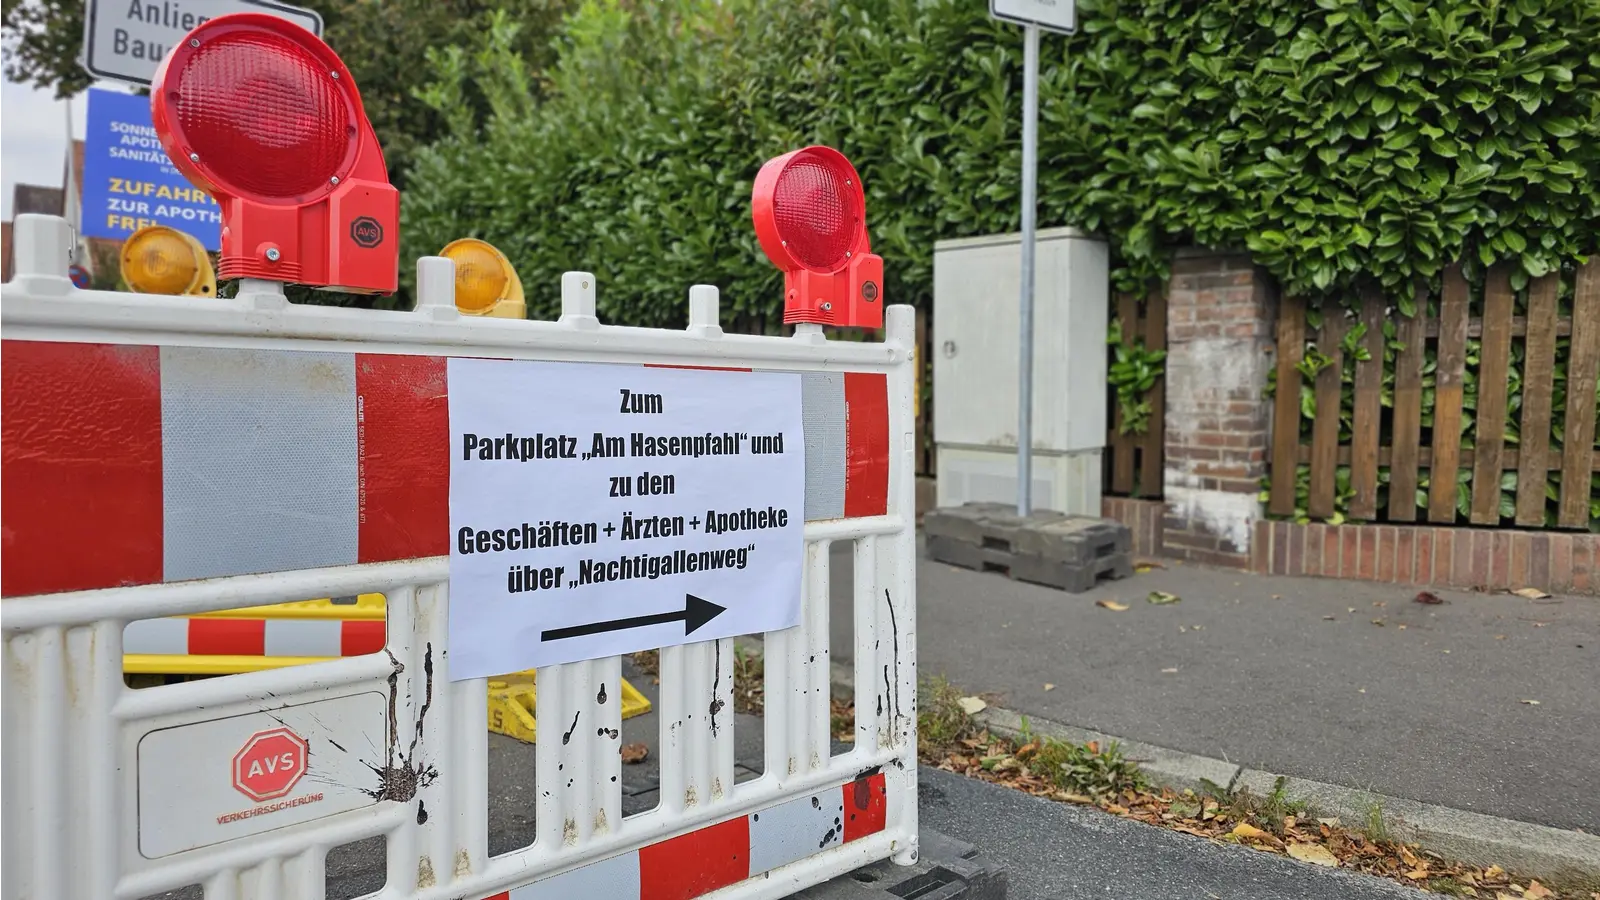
[1551, 854]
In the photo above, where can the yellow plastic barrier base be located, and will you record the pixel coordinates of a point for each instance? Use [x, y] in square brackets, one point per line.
[364, 606]
[210, 666]
[512, 700]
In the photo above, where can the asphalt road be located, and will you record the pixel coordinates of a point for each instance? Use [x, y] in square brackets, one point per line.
[1053, 851]
[1291, 675]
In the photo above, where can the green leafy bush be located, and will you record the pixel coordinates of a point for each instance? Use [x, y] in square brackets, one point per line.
[1341, 141]
[1133, 372]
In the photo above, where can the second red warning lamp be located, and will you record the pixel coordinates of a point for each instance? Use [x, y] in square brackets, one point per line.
[264, 116]
[810, 217]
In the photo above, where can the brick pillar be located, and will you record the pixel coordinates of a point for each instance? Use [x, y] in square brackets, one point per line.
[1221, 312]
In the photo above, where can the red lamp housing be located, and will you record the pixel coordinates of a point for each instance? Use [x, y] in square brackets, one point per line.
[264, 116]
[810, 216]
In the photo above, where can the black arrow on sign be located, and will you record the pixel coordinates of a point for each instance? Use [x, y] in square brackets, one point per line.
[695, 613]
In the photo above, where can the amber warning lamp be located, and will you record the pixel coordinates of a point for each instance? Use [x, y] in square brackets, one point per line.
[810, 216]
[263, 116]
[161, 260]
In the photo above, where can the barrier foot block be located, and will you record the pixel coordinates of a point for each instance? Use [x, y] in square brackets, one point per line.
[513, 699]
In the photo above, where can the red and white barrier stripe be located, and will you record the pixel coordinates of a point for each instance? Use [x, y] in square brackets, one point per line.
[254, 637]
[711, 858]
[130, 464]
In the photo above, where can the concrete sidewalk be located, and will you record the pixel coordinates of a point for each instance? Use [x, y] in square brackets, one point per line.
[1292, 675]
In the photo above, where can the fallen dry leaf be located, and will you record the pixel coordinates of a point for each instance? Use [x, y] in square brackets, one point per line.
[1532, 593]
[1049, 687]
[1316, 854]
[1537, 891]
[1112, 605]
[1331, 822]
[972, 705]
[1162, 598]
[1378, 622]
[1530, 703]
[633, 754]
[1499, 637]
[1248, 832]
[1169, 671]
[1331, 618]
[1400, 628]
[1428, 597]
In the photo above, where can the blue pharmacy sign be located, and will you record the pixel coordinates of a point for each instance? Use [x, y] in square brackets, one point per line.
[128, 181]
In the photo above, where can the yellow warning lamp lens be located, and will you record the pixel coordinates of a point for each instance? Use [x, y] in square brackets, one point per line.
[481, 274]
[158, 260]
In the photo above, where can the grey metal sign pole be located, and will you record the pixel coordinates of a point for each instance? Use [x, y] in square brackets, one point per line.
[1058, 16]
[1030, 199]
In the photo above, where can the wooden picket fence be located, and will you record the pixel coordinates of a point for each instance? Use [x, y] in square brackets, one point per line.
[1412, 447]
[1134, 461]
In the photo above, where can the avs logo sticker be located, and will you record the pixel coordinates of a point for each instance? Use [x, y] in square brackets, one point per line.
[366, 232]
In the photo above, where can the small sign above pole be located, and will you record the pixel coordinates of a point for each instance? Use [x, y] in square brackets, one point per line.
[1034, 16]
[1060, 16]
[125, 40]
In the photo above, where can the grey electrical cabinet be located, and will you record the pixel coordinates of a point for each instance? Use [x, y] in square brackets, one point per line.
[976, 284]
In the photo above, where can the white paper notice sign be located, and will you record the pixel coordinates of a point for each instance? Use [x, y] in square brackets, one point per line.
[598, 510]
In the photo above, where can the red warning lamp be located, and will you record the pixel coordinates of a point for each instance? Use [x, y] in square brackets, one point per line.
[810, 215]
[262, 115]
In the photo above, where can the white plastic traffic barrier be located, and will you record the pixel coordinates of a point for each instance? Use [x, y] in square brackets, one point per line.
[168, 456]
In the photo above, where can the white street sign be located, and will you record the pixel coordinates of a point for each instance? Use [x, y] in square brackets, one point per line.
[1051, 15]
[125, 40]
[598, 510]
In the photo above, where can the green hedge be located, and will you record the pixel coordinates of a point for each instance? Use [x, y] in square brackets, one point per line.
[1340, 141]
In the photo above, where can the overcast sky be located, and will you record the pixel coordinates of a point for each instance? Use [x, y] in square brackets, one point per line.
[33, 137]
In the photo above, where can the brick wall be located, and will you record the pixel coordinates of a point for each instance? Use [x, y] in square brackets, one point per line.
[1145, 518]
[1476, 558]
[1220, 320]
